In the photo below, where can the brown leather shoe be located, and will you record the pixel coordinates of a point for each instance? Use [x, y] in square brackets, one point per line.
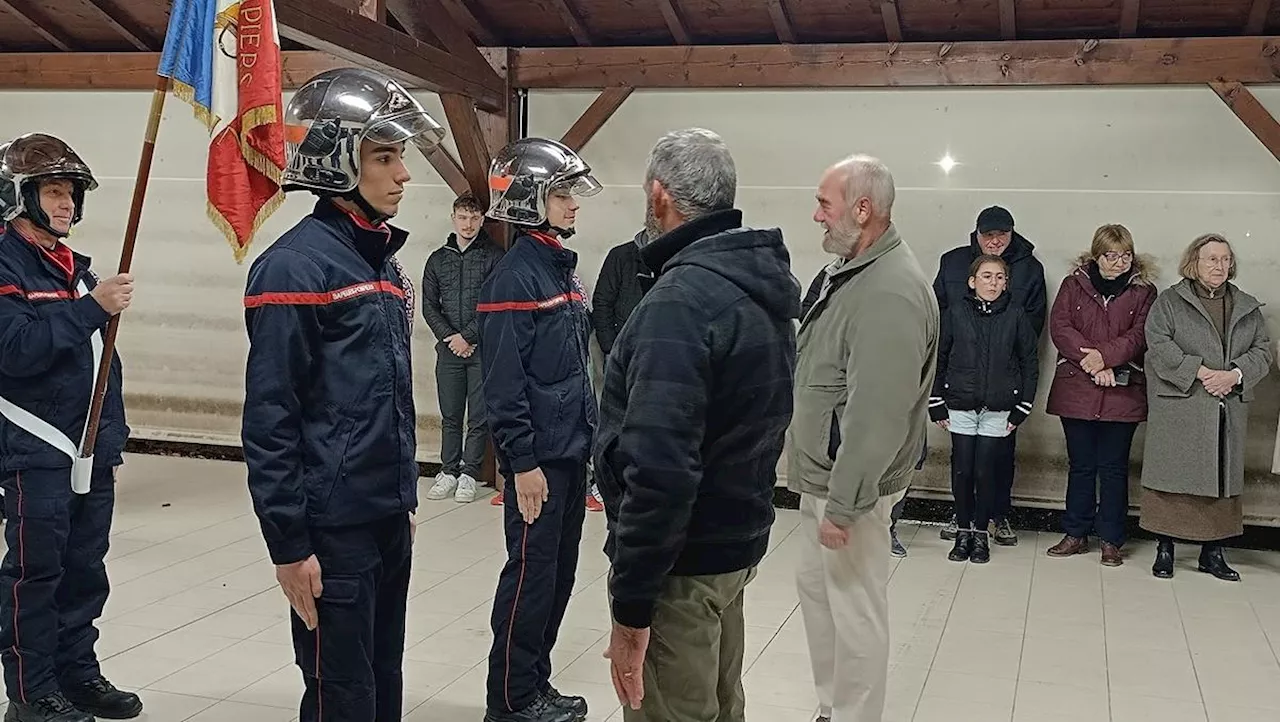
[1111, 555]
[1070, 546]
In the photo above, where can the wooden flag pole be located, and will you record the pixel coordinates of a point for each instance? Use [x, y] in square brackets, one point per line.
[126, 261]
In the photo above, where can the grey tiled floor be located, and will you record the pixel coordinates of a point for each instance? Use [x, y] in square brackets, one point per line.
[196, 623]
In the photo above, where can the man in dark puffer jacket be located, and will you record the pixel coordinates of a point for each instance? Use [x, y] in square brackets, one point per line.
[697, 401]
[451, 282]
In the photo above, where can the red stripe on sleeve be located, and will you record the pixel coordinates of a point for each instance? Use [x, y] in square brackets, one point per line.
[323, 298]
[499, 306]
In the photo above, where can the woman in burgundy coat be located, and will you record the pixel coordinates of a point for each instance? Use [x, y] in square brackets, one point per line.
[1099, 389]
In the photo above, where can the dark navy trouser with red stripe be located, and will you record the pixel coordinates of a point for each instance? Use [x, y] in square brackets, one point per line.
[352, 662]
[534, 587]
[53, 583]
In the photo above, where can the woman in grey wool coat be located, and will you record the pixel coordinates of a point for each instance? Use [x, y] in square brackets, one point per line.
[1207, 348]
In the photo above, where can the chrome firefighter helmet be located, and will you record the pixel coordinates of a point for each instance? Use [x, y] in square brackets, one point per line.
[331, 114]
[524, 173]
[25, 162]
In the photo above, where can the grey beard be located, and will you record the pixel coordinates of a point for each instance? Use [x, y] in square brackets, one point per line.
[652, 229]
[840, 243]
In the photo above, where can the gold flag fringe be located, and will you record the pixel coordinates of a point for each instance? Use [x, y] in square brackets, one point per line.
[187, 94]
[215, 216]
[250, 119]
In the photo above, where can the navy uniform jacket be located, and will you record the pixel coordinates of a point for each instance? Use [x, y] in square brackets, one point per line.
[329, 426]
[46, 360]
[534, 329]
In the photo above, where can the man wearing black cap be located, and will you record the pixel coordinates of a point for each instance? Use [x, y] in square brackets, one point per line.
[994, 235]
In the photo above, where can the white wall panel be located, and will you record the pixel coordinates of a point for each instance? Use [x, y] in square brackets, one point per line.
[1170, 163]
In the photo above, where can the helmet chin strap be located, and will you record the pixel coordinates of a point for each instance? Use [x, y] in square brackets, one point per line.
[375, 216]
[561, 233]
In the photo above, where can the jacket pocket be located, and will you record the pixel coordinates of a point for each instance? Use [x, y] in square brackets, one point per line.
[342, 440]
[833, 443]
[815, 424]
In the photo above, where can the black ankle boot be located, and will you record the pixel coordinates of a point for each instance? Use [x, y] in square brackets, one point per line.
[1163, 567]
[577, 705]
[981, 547]
[963, 547]
[1212, 562]
[100, 698]
[50, 708]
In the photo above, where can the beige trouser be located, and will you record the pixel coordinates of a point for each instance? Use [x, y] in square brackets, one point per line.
[844, 599]
[693, 669]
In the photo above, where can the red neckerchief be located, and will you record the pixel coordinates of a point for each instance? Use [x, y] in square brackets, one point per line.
[61, 256]
[546, 239]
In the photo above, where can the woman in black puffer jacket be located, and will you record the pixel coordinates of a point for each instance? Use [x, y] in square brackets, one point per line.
[986, 382]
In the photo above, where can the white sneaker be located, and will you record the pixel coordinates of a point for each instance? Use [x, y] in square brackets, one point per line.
[466, 490]
[444, 486]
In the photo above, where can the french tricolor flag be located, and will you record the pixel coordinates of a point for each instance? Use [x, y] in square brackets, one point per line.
[223, 57]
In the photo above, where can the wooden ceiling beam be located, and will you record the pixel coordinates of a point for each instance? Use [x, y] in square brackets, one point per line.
[115, 17]
[572, 20]
[426, 20]
[1250, 112]
[473, 150]
[1130, 11]
[595, 116]
[449, 169]
[1008, 20]
[675, 23]
[468, 18]
[892, 23]
[781, 23]
[30, 14]
[873, 65]
[324, 26]
[1258, 14]
[128, 71]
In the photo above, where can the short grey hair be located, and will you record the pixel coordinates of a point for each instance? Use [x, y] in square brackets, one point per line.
[868, 177]
[694, 165]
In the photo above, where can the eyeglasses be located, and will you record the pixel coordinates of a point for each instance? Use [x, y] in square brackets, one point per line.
[1113, 256]
[1222, 261]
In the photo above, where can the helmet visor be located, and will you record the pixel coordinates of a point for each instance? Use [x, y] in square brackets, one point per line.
[584, 186]
[416, 125]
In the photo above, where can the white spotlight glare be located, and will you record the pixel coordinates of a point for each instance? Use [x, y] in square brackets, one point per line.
[947, 163]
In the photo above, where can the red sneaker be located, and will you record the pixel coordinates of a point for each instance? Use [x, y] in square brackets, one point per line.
[593, 504]
[496, 500]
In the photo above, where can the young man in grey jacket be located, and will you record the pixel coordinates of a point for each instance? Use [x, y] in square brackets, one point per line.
[867, 349]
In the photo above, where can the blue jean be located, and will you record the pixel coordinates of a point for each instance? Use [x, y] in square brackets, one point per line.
[1098, 478]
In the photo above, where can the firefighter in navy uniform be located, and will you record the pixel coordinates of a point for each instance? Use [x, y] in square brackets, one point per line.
[329, 425]
[534, 327]
[53, 583]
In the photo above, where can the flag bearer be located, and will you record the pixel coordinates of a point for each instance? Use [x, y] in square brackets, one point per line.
[53, 583]
[329, 425]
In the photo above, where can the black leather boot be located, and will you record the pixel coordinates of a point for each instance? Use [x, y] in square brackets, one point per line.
[963, 546]
[101, 699]
[50, 708]
[540, 710]
[981, 548]
[1163, 567]
[1212, 562]
[576, 705]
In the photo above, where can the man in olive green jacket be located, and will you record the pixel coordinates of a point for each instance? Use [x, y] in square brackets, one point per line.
[867, 348]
